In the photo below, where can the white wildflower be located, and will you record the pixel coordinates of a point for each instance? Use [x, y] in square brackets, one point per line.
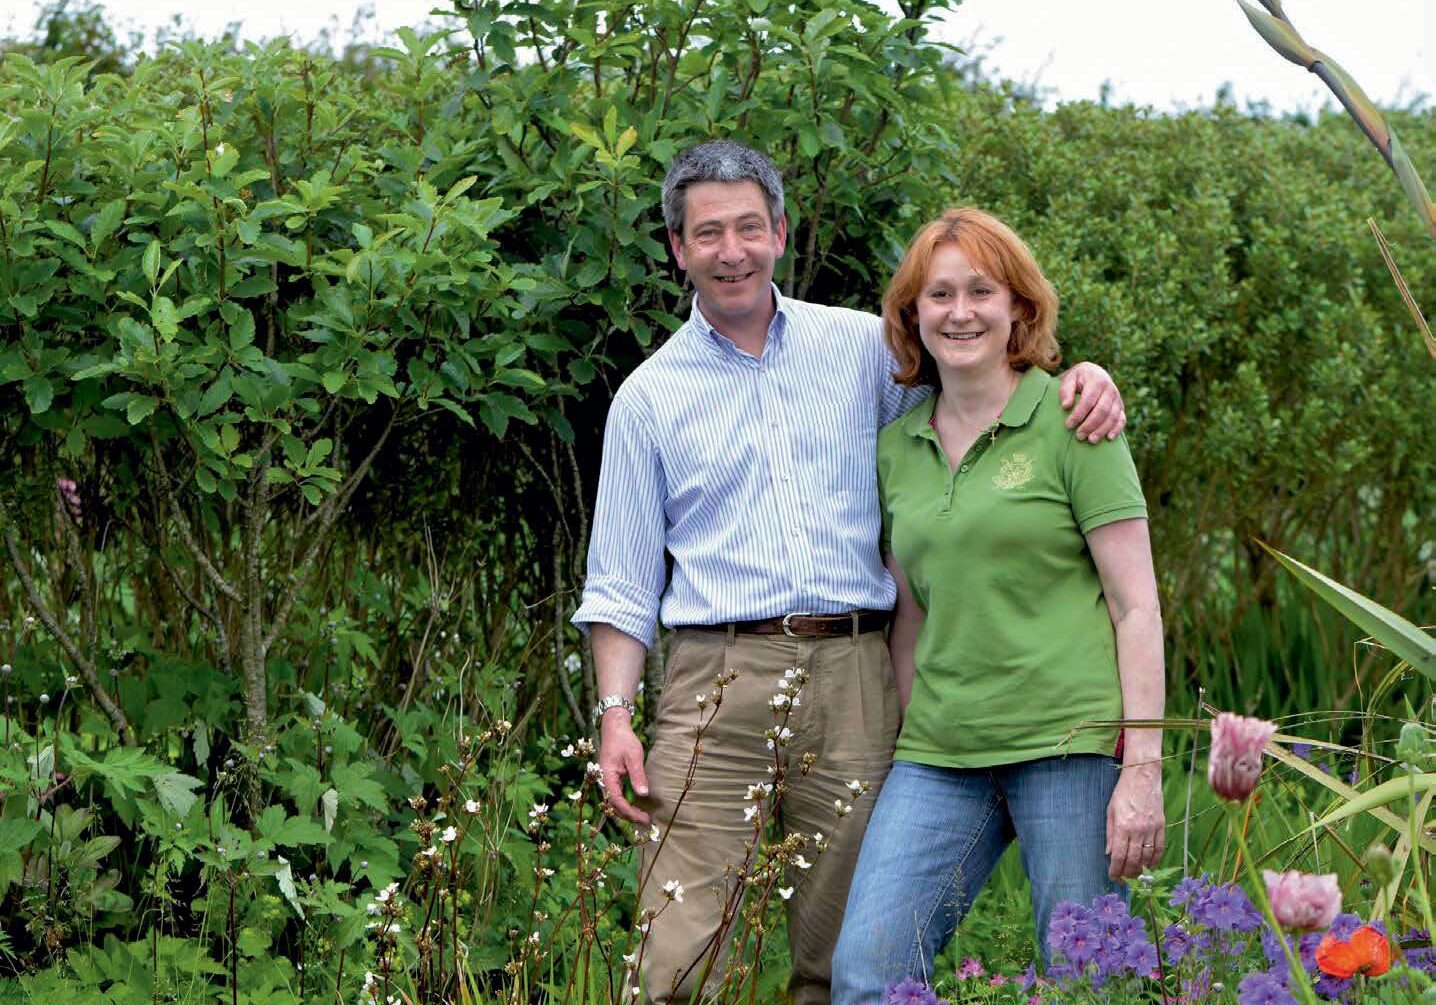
[448, 835]
[471, 806]
[785, 892]
[750, 813]
[673, 890]
[857, 788]
[802, 863]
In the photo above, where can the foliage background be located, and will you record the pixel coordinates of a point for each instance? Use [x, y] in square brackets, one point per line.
[325, 347]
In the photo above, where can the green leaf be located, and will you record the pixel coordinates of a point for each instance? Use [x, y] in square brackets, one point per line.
[141, 407]
[1280, 36]
[1411, 182]
[586, 133]
[241, 332]
[460, 187]
[1378, 795]
[16, 833]
[1401, 637]
[334, 380]
[217, 395]
[39, 393]
[151, 261]
[176, 792]
[62, 229]
[107, 221]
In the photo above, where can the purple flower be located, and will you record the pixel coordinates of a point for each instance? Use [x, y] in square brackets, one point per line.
[1189, 888]
[1263, 988]
[1141, 958]
[909, 991]
[1110, 908]
[1176, 942]
[970, 967]
[1302, 750]
[1199, 986]
[1225, 909]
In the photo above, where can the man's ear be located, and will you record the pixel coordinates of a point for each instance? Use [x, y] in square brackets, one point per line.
[781, 233]
[675, 241]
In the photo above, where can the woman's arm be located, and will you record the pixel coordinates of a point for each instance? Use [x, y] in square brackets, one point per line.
[902, 642]
[1135, 817]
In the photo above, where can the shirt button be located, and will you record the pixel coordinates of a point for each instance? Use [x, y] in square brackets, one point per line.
[963, 468]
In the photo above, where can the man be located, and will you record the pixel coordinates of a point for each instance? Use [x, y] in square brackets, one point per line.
[738, 502]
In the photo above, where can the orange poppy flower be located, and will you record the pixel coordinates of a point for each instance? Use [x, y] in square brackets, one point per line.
[1366, 952]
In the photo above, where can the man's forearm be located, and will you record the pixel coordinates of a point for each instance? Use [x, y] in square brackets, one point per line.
[618, 660]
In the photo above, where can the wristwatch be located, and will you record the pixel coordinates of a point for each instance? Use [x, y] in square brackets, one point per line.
[613, 701]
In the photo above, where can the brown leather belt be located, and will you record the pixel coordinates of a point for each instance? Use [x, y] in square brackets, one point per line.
[822, 626]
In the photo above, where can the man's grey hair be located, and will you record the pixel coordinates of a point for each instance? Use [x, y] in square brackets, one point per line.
[719, 160]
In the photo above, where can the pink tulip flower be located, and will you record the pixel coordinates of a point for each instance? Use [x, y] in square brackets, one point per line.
[1303, 902]
[1234, 765]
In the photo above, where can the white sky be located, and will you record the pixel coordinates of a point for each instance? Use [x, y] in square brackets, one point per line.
[1169, 54]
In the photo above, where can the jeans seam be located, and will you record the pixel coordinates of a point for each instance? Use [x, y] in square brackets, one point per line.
[915, 956]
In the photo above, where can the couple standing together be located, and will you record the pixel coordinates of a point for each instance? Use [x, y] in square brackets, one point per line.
[896, 506]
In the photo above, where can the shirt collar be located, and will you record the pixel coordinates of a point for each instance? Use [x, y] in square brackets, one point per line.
[777, 328]
[1016, 413]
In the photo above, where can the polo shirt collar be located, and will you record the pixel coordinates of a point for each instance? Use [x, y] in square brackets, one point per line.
[1024, 401]
[777, 328]
[1016, 413]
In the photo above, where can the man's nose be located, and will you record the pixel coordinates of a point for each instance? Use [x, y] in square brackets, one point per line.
[730, 249]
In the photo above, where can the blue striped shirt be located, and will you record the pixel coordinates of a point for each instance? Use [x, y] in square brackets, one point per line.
[754, 477]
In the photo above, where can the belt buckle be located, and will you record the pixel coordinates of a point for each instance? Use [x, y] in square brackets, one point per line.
[787, 629]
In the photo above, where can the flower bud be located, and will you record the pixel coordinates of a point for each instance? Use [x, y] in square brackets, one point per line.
[1379, 865]
[1234, 764]
[1411, 747]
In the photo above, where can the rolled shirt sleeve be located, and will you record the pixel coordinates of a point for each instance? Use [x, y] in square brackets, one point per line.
[626, 563]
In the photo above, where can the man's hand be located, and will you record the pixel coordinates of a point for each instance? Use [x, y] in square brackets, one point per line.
[1099, 410]
[620, 754]
[1136, 821]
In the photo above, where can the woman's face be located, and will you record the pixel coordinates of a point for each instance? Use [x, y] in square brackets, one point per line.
[963, 316]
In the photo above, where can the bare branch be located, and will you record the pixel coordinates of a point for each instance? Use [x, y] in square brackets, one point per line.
[86, 666]
[329, 512]
[212, 573]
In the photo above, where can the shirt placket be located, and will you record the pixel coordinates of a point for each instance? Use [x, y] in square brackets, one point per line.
[787, 486]
[965, 467]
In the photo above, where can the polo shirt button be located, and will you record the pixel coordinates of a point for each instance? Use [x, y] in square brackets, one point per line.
[963, 468]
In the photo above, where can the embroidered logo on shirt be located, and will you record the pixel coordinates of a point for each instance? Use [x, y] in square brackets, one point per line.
[1016, 472]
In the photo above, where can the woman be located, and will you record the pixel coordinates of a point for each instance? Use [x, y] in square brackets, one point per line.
[1027, 607]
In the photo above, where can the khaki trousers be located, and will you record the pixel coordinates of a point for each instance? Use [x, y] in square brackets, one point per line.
[847, 716]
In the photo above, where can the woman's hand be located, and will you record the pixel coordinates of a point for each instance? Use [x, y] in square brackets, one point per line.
[1136, 821]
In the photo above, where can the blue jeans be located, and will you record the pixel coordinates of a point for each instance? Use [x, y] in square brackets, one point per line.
[935, 836]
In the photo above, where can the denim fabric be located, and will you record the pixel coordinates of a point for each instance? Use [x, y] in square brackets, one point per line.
[935, 836]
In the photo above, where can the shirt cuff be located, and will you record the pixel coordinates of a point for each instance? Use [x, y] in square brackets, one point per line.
[617, 602]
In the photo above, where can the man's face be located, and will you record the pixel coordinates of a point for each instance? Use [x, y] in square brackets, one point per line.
[728, 248]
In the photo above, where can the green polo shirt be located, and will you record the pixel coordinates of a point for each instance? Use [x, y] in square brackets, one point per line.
[1017, 647]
